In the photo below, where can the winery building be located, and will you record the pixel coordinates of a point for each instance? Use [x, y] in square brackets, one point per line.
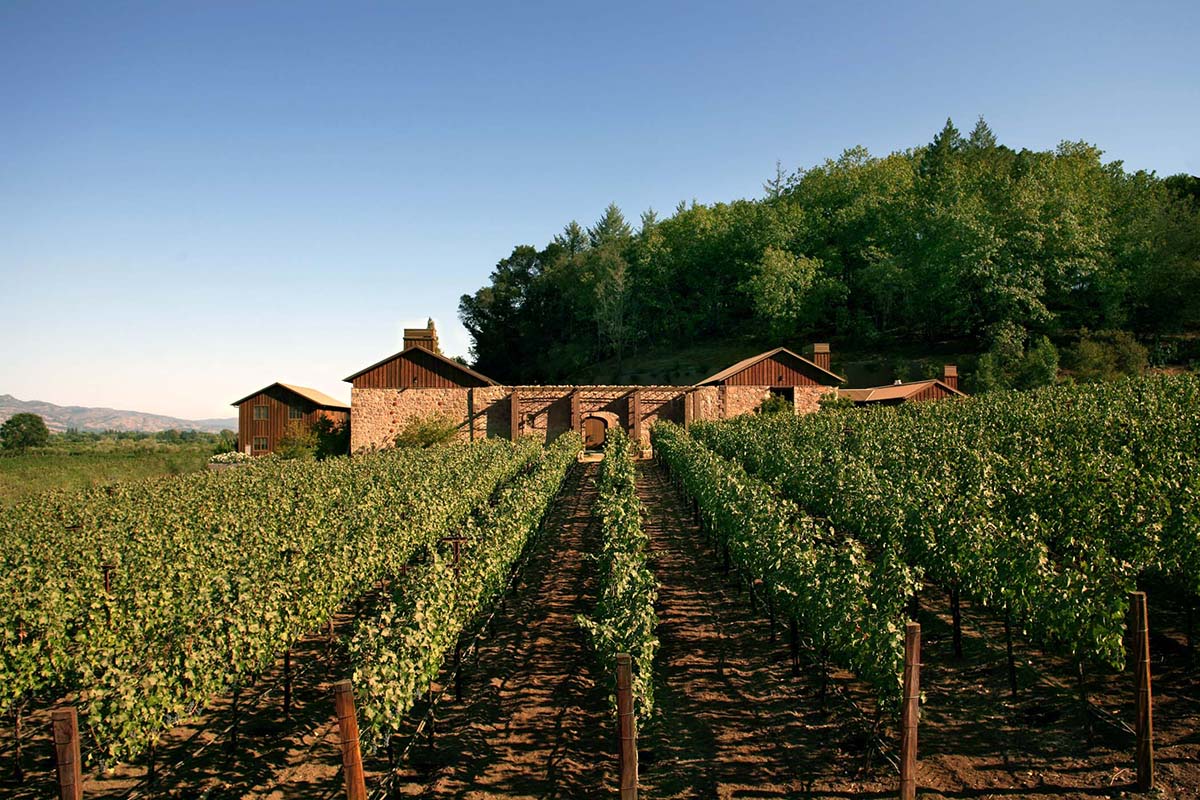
[418, 381]
[265, 415]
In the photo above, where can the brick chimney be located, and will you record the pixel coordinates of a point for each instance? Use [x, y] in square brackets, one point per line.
[821, 355]
[950, 376]
[422, 337]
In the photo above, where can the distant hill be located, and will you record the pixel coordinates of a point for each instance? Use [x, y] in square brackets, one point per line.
[60, 418]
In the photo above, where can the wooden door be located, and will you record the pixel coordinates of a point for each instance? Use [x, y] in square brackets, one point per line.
[594, 431]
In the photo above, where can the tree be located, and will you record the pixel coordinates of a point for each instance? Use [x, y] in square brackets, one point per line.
[333, 438]
[779, 291]
[981, 137]
[776, 187]
[611, 227]
[22, 431]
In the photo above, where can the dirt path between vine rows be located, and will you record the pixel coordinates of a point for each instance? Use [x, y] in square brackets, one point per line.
[533, 721]
[733, 721]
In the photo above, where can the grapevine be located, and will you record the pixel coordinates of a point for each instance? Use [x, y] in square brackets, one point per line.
[624, 620]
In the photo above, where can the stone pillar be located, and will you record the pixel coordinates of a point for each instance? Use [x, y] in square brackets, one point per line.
[576, 416]
[635, 415]
[515, 406]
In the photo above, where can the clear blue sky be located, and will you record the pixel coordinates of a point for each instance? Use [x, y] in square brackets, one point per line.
[197, 199]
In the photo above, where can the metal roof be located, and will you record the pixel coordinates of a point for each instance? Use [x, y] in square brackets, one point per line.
[427, 351]
[895, 391]
[319, 398]
[752, 360]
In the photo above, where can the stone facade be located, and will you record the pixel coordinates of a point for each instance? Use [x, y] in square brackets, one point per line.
[546, 411]
[377, 415]
[807, 399]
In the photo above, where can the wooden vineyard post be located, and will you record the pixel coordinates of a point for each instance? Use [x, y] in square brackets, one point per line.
[956, 614]
[352, 768]
[1145, 710]
[1008, 645]
[287, 683]
[627, 752]
[66, 753]
[910, 715]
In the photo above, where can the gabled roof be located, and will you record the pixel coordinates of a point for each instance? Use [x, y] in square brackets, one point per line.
[895, 391]
[428, 352]
[745, 363]
[321, 399]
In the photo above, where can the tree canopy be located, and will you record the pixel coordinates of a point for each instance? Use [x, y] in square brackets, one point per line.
[22, 431]
[960, 239]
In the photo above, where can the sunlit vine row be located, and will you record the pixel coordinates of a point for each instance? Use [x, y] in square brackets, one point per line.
[1046, 505]
[623, 620]
[849, 603]
[398, 653]
[211, 576]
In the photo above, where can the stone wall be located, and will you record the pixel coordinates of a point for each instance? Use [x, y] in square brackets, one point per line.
[744, 399]
[807, 399]
[379, 414]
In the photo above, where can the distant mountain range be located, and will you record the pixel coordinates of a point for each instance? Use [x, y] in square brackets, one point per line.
[60, 418]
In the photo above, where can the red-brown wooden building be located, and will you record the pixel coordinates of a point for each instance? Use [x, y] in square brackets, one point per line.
[908, 391]
[264, 417]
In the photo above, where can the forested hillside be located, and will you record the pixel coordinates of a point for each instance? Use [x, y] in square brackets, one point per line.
[1012, 254]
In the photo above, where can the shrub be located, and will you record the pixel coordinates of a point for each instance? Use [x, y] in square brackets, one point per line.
[298, 441]
[230, 457]
[1106, 356]
[834, 401]
[775, 404]
[427, 431]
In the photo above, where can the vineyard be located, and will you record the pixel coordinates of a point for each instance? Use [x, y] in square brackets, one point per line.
[762, 607]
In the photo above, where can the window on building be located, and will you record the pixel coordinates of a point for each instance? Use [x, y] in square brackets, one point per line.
[260, 443]
[260, 412]
[295, 412]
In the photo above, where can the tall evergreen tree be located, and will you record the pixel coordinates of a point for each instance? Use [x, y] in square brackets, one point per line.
[611, 227]
[981, 137]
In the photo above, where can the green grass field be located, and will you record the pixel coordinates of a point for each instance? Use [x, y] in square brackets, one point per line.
[25, 475]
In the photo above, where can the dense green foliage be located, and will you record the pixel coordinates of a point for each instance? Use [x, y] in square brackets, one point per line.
[213, 575]
[624, 620]
[397, 654]
[961, 239]
[1047, 505]
[23, 431]
[847, 601]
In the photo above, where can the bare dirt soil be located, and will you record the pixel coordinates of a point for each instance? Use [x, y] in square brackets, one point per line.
[533, 719]
[738, 725]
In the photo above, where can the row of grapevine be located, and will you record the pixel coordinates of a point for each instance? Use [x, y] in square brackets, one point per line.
[624, 620]
[397, 654]
[152, 597]
[849, 603]
[1045, 505]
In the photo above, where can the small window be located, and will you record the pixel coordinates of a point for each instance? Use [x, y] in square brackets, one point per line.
[295, 412]
[260, 443]
[260, 412]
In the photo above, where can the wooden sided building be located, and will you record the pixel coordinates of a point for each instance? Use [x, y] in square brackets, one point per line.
[419, 382]
[899, 392]
[265, 416]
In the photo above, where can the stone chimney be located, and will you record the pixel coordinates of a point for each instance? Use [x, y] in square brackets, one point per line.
[950, 376]
[422, 337]
[821, 355]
